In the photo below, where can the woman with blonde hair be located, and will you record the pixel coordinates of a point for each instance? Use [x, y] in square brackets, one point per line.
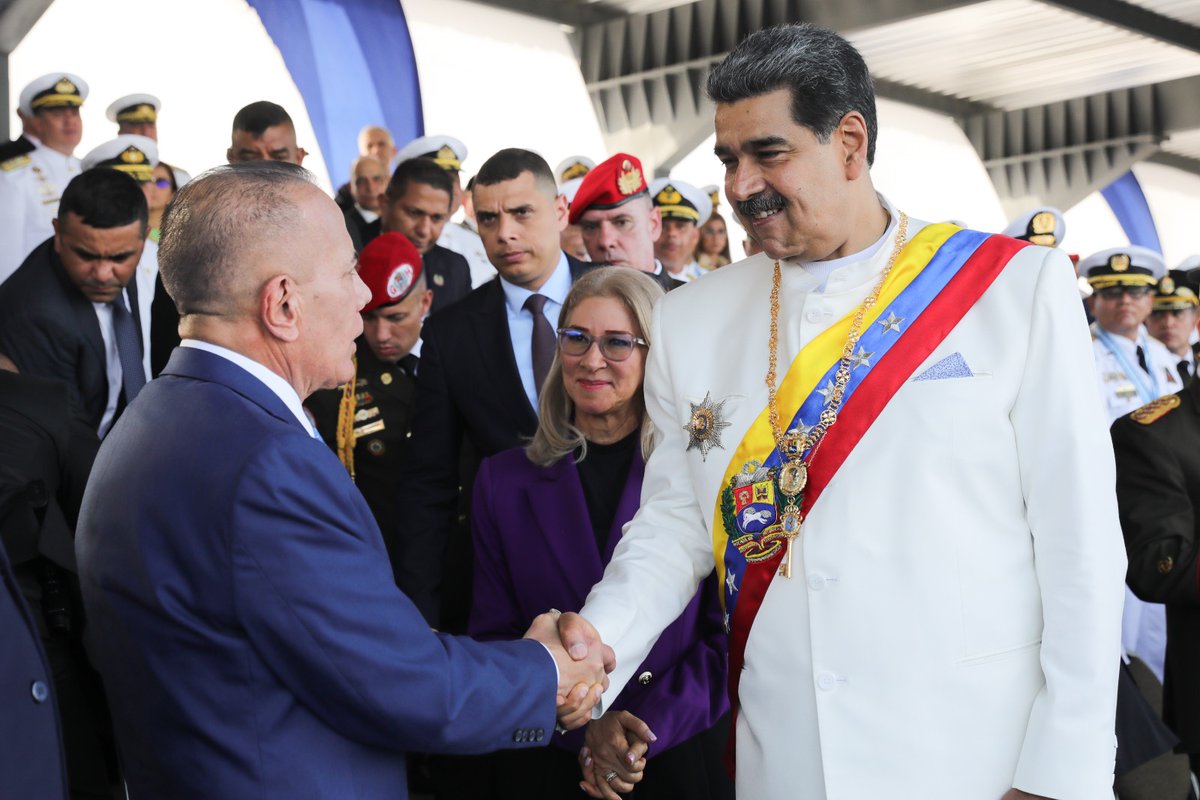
[546, 519]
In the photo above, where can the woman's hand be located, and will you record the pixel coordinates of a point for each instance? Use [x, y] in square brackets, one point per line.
[614, 757]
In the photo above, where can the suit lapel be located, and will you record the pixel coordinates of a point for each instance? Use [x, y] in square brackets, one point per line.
[192, 362]
[490, 327]
[82, 311]
[555, 501]
[631, 497]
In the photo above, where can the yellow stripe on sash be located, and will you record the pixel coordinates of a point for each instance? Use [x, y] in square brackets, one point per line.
[813, 362]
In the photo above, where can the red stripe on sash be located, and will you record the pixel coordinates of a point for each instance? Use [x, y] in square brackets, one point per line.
[923, 336]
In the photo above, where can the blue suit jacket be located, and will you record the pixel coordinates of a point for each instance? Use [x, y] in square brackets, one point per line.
[534, 549]
[243, 615]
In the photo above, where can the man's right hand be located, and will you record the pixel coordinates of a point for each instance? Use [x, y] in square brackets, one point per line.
[582, 673]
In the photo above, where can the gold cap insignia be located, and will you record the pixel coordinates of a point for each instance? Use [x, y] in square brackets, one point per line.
[1166, 285]
[1118, 262]
[669, 196]
[1042, 222]
[132, 155]
[1156, 409]
[630, 179]
[715, 197]
[447, 159]
[576, 170]
[65, 86]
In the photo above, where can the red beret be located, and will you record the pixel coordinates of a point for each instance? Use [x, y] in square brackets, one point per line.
[390, 266]
[608, 185]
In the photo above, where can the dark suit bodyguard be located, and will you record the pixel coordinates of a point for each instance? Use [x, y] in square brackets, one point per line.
[70, 312]
[369, 426]
[1157, 450]
[240, 605]
[482, 364]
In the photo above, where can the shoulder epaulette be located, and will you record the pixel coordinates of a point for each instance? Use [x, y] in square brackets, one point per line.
[14, 163]
[1156, 409]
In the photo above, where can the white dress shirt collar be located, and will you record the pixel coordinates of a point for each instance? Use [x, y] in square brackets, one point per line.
[281, 388]
[555, 288]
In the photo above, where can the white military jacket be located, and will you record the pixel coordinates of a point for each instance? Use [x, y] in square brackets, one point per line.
[952, 626]
[30, 187]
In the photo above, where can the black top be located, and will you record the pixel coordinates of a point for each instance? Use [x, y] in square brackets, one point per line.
[603, 474]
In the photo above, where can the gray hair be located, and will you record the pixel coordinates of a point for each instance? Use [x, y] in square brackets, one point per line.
[215, 220]
[825, 74]
[557, 435]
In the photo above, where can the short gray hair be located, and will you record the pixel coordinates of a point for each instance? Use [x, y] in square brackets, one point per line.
[215, 220]
[827, 77]
[557, 435]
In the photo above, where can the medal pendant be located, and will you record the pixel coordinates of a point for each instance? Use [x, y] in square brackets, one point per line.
[793, 477]
[790, 521]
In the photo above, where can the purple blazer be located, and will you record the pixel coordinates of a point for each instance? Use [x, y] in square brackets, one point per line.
[534, 550]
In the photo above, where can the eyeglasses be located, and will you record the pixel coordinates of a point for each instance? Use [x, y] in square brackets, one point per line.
[162, 183]
[1115, 292]
[613, 346]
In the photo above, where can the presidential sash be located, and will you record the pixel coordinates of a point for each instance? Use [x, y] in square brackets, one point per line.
[937, 277]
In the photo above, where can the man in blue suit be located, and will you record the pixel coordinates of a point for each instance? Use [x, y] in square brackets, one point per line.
[240, 601]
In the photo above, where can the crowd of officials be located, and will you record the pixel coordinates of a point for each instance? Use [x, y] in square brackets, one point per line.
[494, 424]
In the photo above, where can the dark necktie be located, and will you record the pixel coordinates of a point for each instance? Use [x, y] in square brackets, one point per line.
[543, 340]
[409, 365]
[1142, 360]
[1185, 369]
[129, 349]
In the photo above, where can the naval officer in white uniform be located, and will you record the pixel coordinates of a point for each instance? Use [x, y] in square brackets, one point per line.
[32, 183]
[951, 625]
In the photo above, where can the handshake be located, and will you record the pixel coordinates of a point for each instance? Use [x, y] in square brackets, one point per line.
[583, 663]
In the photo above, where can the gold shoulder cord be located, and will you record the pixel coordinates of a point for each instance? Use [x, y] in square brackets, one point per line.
[797, 448]
[345, 423]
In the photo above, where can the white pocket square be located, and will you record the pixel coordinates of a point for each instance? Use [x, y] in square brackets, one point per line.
[952, 366]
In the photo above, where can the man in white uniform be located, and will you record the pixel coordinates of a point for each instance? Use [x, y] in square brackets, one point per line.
[32, 183]
[942, 502]
[684, 208]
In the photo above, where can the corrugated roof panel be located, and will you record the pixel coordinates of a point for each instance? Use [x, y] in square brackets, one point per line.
[1182, 10]
[1184, 144]
[1018, 53]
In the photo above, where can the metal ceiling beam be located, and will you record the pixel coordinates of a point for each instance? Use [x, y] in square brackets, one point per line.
[1136, 19]
[1184, 163]
[16, 18]
[566, 12]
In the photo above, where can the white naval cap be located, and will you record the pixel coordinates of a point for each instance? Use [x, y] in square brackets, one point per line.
[676, 199]
[714, 195]
[569, 188]
[136, 156]
[1042, 225]
[446, 151]
[53, 90]
[134, 108]
[182, 176]
[571, 168]
[1123, 266]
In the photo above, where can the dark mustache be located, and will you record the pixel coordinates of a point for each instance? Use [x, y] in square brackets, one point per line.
[763, 201]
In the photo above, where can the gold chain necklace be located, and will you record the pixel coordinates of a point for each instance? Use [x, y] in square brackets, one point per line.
[796, 449]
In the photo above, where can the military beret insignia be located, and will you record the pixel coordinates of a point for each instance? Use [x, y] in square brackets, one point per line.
[630, 179]
[1156, 409]
[400, 281]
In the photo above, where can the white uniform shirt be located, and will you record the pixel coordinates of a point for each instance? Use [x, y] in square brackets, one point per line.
[29, 194]
[146, 275]
[1143, 625]
[690, 272]
[959, 580]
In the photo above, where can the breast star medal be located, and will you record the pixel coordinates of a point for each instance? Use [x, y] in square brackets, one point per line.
[705, 426]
